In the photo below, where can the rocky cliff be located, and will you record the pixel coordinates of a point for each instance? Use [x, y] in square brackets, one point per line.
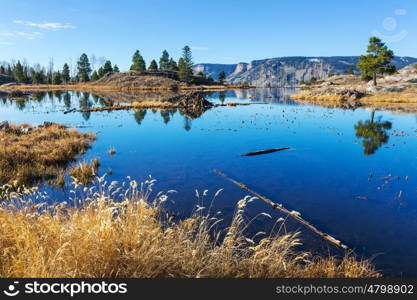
[288, 71]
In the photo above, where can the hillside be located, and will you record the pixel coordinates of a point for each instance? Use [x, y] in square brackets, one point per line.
[289, 71]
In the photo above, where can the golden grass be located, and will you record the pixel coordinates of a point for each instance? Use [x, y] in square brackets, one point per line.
[29, 154]
[85, 172]
[111, 232]
[405, 100]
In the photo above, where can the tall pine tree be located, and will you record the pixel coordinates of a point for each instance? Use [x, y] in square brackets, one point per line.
[66, 73]
[164, 61]
[185, 65]
[138, 63]
[84, 68]
[18, 73]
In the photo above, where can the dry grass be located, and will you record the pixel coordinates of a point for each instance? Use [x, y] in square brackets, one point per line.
[112, 232]
[29, 154]
[85, 172]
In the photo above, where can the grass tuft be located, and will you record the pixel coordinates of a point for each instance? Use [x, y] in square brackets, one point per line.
[122, 232]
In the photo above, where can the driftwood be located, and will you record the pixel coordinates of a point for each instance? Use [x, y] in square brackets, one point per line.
[293, 214]
[265, 151]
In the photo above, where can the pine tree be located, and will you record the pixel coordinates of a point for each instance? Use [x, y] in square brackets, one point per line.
[377, 61]
[350, 70]
[66, 73]
[56, 78]
[164, 61]
[153, 66]
[107, 68]
[138, 63]
[18, 73]
[172, 65]
[116, 69]
[94, 76]
[185, 65]
[84, 68]
[222, 76]
[2, 70]
[100, 72]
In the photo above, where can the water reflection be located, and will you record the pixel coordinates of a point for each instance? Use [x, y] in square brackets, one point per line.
[373, 133]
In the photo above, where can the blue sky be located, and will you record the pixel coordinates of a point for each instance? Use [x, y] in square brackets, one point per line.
[227, 31]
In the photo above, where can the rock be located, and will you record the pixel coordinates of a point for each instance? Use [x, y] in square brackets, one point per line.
[4, 125]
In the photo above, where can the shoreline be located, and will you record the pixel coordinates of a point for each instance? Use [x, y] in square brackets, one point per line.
[98, 88]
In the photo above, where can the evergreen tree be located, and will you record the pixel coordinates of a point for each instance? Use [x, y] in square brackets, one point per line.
[377, 61]
[185, 65]
[138, 63]
[84, 68]
[107, 68]
[210, 79]
[164, 61]
[94, 76]
[100, 72]
[2, 70]
[18, 73]
[172, 65]
[222, 76]
[66, 74]
[201, 74]
[153, 66]
[350, 70]
[38, 76]
[116, 69]
[56, 78]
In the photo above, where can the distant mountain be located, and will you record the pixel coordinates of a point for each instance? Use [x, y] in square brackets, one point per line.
[213, 70]
[289, 71]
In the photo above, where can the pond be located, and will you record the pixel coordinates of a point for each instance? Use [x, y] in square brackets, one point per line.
[350, 173]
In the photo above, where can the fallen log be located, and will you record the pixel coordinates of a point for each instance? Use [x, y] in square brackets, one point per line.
[293, 214]
[265, 151]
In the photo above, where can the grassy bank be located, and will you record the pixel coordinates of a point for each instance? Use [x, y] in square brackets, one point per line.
[405, 100]
[29, 154]
[114, 232]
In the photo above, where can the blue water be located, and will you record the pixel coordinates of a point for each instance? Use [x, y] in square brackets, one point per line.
[364, 196]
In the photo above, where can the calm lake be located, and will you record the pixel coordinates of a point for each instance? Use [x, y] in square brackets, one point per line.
[364, 193]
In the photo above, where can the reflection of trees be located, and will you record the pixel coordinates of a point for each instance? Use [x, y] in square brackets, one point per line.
[187, 123]
[67, 100]
[21, 104]
[58, 95]
[139, 115]
[38, 95]
[85, 104]
[165, 116]
[373, 133]
[222, 97]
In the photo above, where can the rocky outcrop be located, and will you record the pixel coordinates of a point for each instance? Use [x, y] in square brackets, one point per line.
[291, 71]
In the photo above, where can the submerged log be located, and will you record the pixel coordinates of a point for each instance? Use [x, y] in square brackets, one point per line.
[293, 214]
[265, 151]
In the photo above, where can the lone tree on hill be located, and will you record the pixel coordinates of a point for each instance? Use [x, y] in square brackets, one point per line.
[376, 61]
[84, 68]
[185, 65]
[138, 63]
[153, 66]
[222, 77]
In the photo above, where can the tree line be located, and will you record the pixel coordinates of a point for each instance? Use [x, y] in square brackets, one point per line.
[23, 73]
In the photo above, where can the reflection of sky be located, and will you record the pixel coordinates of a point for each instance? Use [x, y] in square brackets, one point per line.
[321, 176]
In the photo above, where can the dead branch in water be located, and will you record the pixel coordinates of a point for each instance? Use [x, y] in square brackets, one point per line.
[293, 214]
[265, 151]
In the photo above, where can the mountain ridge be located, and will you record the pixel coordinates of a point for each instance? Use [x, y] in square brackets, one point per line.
[288, 70]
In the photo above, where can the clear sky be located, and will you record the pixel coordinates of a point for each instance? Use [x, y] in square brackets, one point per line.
[227, 31]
